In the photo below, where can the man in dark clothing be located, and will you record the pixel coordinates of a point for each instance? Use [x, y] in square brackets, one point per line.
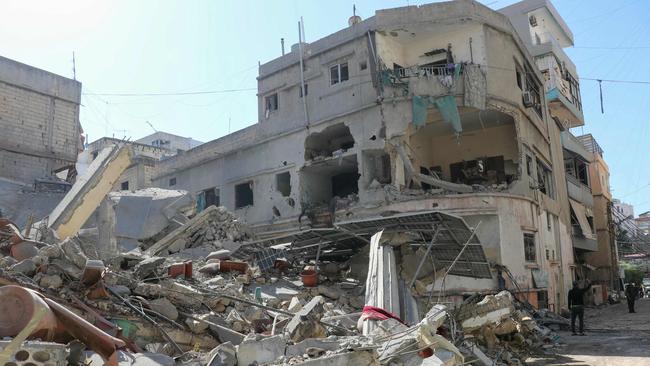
[631, 292]
[577, 306]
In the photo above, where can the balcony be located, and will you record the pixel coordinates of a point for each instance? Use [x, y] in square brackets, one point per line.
[582, 227]
[425, 80]
[578, 191]
[561, 85]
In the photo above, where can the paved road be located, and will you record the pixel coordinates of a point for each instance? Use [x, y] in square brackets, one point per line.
[614, 337]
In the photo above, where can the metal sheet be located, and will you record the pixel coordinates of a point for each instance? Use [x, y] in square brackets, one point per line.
[452, 236]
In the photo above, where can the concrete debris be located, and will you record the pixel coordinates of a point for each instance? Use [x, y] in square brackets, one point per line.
[164, 307]
[189, 295]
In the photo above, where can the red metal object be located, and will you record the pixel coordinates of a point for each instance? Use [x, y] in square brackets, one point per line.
[98, 291]
[425, 353]
[19, 247]
[102, 323]
[281, 265]
[309, 277]
[17, 307]
[178, 269]
[18, 304]
[188, 269]
[93, 272]
[96, 339]
[23, 250]
[227, 266]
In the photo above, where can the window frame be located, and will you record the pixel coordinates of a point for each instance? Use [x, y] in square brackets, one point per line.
[268, 106]
[300, 90]
[122, 188]
[339, 73]
[529, 238]
[238, 204]
[278, 178]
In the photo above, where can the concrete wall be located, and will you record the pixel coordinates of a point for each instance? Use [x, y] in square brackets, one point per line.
[39, 119]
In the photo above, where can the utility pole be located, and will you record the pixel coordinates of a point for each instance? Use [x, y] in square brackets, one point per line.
[74, 67]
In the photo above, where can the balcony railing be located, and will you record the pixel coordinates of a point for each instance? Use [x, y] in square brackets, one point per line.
[428, 71]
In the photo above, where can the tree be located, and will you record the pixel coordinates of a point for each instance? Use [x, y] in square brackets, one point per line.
[632, 273]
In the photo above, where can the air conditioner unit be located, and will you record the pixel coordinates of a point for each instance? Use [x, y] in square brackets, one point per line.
[528, 99]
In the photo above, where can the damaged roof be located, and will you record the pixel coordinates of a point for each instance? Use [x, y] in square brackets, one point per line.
[447, 234]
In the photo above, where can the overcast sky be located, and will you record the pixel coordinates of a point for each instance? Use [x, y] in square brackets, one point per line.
[148, 46]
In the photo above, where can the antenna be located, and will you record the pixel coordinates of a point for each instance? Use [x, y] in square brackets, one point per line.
[74, 67]
[152, 127]
[354, 9]
[282, 43]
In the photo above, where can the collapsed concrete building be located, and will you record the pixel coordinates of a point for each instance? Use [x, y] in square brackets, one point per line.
[444, 106]
[147, 152]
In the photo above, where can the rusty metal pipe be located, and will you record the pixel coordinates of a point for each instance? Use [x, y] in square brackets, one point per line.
[96, 339]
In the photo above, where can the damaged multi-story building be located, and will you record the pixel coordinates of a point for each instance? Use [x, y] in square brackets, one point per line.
[39, 118]
[449, 106]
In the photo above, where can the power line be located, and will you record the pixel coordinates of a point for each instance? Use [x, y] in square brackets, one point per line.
[612, 48]
[618, 81]
[170, 93]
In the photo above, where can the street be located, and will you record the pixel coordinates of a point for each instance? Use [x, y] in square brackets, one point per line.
[614, 337]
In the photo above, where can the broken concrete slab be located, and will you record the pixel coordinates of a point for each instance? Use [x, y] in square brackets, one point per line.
[224, 354]
[328, 344]
[260, 350]
[134, 216]
[147, 267]
[215, 222]
[164, 307]
[306, 322]
[490, 310]
[50, 281]
[89, 190]
[26, 267]
[355, 358]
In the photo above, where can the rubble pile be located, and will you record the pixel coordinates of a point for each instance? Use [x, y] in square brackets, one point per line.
[192, 298]
[215, 226]
[502, 330]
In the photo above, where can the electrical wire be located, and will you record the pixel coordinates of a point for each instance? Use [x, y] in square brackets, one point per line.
[163, 94]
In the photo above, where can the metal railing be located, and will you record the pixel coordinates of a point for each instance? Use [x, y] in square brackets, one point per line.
[425, 71]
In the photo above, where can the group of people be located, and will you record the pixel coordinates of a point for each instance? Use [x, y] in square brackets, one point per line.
[577, 305]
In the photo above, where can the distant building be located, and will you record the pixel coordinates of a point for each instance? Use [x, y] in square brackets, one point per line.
[625, 209]
[170, 142]
[602, 264]
[147, 151]
[643, 222]
[40, 133]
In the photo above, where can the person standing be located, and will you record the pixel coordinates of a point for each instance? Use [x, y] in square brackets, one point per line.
[577, 306]
[631, 292]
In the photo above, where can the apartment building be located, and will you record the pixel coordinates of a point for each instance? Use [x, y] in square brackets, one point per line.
[440, 106]
[601, 262]
[173, 143]
[39, 119]
[643, 222]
